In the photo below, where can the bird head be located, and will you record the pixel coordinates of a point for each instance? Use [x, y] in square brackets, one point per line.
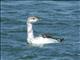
[32, 19]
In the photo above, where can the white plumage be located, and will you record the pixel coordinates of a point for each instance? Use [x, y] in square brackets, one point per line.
[37, 40]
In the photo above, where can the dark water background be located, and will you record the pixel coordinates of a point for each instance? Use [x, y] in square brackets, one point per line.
[60, 18]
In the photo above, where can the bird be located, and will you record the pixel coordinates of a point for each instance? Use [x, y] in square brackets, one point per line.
[39, 40]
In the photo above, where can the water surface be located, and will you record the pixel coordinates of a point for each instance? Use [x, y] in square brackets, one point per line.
[59, 18]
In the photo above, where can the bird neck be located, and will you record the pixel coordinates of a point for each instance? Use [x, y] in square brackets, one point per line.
[30, 35]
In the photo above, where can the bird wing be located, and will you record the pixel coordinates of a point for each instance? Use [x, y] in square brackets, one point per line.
[48, 35]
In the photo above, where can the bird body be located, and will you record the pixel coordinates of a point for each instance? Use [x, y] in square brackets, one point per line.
[40, 40]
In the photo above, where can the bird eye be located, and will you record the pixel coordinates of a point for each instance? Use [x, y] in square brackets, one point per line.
[33, 18]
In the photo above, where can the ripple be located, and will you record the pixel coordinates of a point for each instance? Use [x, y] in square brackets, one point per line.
[58, 18]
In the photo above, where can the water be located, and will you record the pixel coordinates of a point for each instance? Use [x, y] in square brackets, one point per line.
[60, 18]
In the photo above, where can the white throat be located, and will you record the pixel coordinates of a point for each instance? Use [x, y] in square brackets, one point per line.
[30, 35]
